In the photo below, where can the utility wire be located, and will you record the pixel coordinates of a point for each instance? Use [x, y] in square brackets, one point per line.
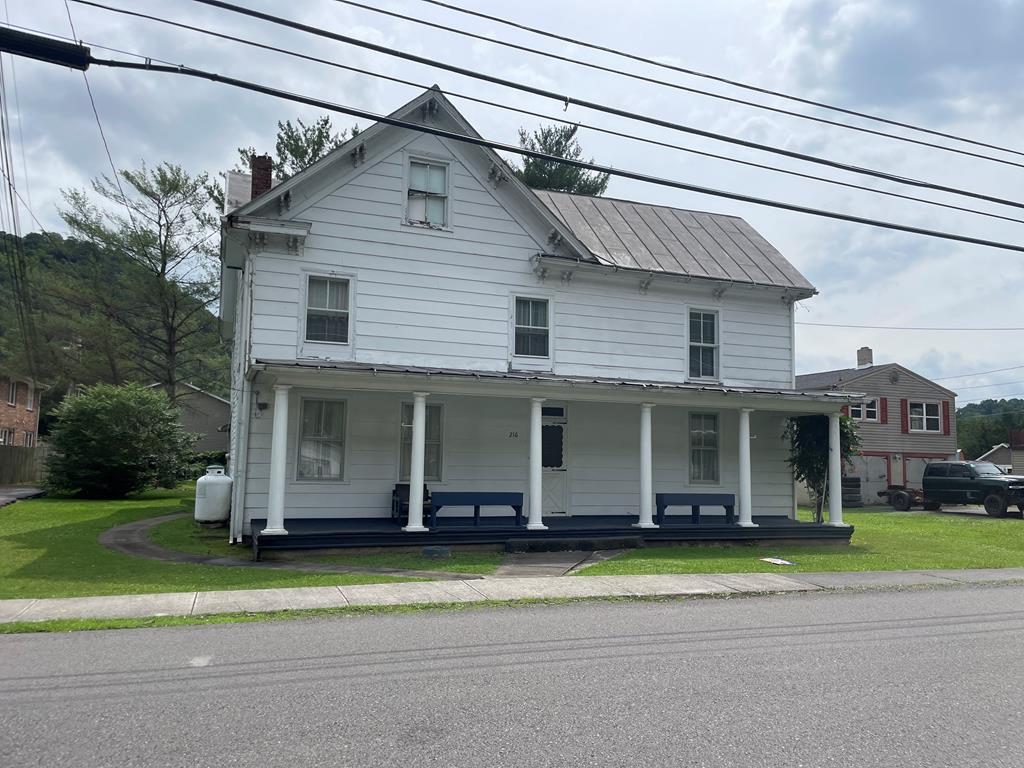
[968, 416]
[567, 100]
[99, 124]
[979, 373]
[506, 107]
[985, 386]
[717, 78]
[676, 86]
[904, 328]
[977, 400]
[481, 142]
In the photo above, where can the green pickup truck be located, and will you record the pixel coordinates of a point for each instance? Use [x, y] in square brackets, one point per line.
[972, 482]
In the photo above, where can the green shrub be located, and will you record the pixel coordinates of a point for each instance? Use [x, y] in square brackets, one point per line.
[197, 461]
[110, 441]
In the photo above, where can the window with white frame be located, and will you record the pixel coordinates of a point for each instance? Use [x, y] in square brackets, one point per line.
[428, 193]
[433, 443]
[322, 440]
[12, 392]
[924, 417]
[703, 344]
[6, 437]
[327, 310]
[866, 411]
[703, 448]
[30, 439]
[532, 331]
[30, 398]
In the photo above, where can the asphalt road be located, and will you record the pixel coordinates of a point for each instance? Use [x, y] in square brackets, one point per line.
[917, 678]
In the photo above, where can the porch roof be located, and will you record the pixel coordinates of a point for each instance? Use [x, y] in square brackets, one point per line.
[540, 377]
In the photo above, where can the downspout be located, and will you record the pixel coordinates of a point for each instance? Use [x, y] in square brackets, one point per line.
[244, 421]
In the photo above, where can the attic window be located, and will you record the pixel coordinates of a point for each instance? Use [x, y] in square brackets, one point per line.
[428, 194]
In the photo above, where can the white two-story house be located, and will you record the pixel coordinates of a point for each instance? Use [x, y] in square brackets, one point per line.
[405, 310]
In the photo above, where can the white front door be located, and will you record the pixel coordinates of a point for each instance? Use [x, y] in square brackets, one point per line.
[553, 458]
[874, 479]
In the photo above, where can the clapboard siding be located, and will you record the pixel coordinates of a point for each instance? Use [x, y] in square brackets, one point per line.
[889, 437]
[442, 298]
[480, 453]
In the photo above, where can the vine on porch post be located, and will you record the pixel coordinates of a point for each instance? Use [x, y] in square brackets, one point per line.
[808, 452]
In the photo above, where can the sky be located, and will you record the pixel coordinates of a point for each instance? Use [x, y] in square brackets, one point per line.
[948, 65]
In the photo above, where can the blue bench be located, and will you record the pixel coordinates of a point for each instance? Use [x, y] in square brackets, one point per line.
[695, 501]
[475, 499]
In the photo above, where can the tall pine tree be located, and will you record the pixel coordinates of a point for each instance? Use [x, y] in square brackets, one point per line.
[560, 141]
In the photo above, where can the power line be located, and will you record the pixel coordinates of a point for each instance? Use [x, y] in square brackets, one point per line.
[79, 56]
[979, 373]
[985, 386]
[567, 100]
[99, 124]
[676, 86]
[477, 141]
[970, 416]
[506, 107]
[17, 108]
[975, 401]
[903, 328]
[718, 78]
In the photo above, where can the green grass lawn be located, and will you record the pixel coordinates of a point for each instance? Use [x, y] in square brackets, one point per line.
[49, 548]
[185, 536]
[882, 541]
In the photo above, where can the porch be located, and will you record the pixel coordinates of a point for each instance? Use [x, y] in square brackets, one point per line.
[585, 458]
[584, 532]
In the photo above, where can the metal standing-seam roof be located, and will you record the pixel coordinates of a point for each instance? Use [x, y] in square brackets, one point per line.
[655, 238]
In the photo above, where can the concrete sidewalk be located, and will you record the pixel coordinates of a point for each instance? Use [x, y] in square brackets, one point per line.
[477, 590]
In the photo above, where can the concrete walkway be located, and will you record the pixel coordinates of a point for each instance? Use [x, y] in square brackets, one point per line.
[470, 591]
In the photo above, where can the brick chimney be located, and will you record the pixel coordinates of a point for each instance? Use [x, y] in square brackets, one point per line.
[865, 357]
[262, 168]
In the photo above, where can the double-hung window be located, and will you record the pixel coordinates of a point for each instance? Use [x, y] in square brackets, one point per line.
[322, 440]
[703, 344]
[428, 194]
[12, 392]
[866, 411]
[30, 439]
[327, 310]
[432, 447]
[703, 448]
[532, 328]
[924, 417]
[6, 437]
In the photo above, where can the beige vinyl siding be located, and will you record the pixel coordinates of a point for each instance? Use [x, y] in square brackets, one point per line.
[876, 436]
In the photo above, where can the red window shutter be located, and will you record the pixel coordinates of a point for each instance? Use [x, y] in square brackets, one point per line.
[846, 410]
[904, 417]
[945, 417]
[883, 410]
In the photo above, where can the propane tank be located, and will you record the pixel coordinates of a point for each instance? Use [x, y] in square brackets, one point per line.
[213, 496]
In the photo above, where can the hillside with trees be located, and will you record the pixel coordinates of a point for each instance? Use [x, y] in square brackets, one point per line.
[982, 425]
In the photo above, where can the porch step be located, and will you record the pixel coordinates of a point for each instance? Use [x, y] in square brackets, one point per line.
[573, 544]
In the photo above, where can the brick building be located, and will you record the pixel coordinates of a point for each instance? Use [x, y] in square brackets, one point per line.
[19, 411]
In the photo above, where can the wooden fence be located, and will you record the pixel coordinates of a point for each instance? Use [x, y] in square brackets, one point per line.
[21, 465]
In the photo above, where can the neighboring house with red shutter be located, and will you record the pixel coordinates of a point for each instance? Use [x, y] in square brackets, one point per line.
[19, 411]
[904, 422]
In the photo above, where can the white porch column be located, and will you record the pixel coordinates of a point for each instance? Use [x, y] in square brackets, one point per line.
[419, 437]
[646, 470]
[536, 519]
[278, 463]
[745, 505]
[835, 473]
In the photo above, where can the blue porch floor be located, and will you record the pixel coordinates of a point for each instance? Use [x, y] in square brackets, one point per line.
[579, 532]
